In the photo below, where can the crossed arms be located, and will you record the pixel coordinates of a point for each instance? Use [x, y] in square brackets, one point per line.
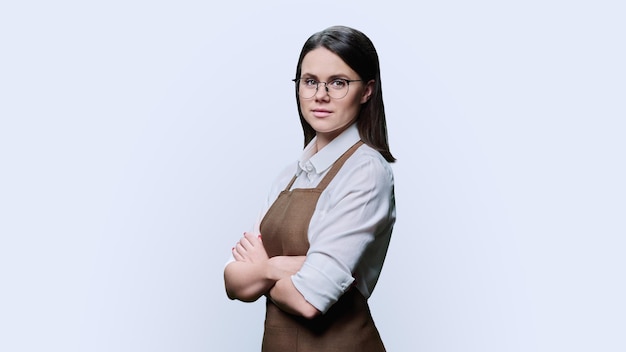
[253, 274]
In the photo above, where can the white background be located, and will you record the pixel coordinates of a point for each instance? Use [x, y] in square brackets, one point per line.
[138, 140]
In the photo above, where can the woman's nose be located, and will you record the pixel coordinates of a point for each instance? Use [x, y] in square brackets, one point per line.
[321, 92]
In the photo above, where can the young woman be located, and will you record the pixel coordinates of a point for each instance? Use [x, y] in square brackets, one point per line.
[326, 227]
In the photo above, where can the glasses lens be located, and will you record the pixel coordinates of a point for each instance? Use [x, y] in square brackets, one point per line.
[307, 88]
[337, 89]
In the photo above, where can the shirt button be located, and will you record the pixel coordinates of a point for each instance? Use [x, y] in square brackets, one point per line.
[308, 167]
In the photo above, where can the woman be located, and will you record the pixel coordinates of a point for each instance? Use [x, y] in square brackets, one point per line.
[326, 226]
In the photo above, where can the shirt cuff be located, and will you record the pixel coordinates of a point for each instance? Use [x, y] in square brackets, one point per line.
[321, 281]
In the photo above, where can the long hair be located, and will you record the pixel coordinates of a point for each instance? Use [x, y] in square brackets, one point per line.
[358, 52]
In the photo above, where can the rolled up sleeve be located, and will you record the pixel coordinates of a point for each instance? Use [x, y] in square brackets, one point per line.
[321, 281]
[352, 219]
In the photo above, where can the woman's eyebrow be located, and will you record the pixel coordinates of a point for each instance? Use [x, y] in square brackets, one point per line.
[308, 75]
[330, 78]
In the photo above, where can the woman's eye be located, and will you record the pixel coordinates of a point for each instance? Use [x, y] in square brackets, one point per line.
[310, 82]
[338, 83]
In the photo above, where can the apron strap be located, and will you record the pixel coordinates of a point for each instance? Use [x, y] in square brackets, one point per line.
[293, 179]
[337, 166]
[334, 169]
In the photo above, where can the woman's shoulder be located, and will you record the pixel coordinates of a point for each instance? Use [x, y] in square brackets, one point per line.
[369, 160]
[367, 154]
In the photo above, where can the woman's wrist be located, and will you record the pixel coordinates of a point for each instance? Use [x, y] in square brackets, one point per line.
[272, 271]
[281, 267]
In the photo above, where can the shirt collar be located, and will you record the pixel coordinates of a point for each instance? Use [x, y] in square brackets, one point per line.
[316, 163]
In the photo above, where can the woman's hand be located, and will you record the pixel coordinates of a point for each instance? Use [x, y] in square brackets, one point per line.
[250, 249]
[253, 273]
[246, 278]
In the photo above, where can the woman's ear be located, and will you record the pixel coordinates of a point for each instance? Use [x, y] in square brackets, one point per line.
[367, 92]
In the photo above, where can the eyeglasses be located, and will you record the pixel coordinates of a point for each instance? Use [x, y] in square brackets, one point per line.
[336, 89]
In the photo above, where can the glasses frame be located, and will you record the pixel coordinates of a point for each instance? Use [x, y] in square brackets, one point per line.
[317, 86]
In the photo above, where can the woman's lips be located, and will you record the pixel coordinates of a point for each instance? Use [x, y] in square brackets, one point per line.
[321, 113]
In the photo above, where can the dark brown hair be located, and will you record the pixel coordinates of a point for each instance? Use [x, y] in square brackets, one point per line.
[358, 52]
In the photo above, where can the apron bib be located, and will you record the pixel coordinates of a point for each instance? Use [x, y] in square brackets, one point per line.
[348, 324]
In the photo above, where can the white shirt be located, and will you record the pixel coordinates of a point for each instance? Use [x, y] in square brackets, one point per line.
[351, 227]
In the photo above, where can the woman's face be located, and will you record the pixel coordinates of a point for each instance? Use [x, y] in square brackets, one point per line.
[329, 116]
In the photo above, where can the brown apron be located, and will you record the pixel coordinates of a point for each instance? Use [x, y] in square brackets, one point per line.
[348, 325]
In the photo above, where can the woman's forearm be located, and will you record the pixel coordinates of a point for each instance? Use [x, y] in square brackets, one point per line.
[287, 297]
[246, 281]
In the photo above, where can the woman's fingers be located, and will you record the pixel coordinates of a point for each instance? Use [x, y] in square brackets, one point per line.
[249, 248]
[241, 248]
[253, 239]
[238, 257]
